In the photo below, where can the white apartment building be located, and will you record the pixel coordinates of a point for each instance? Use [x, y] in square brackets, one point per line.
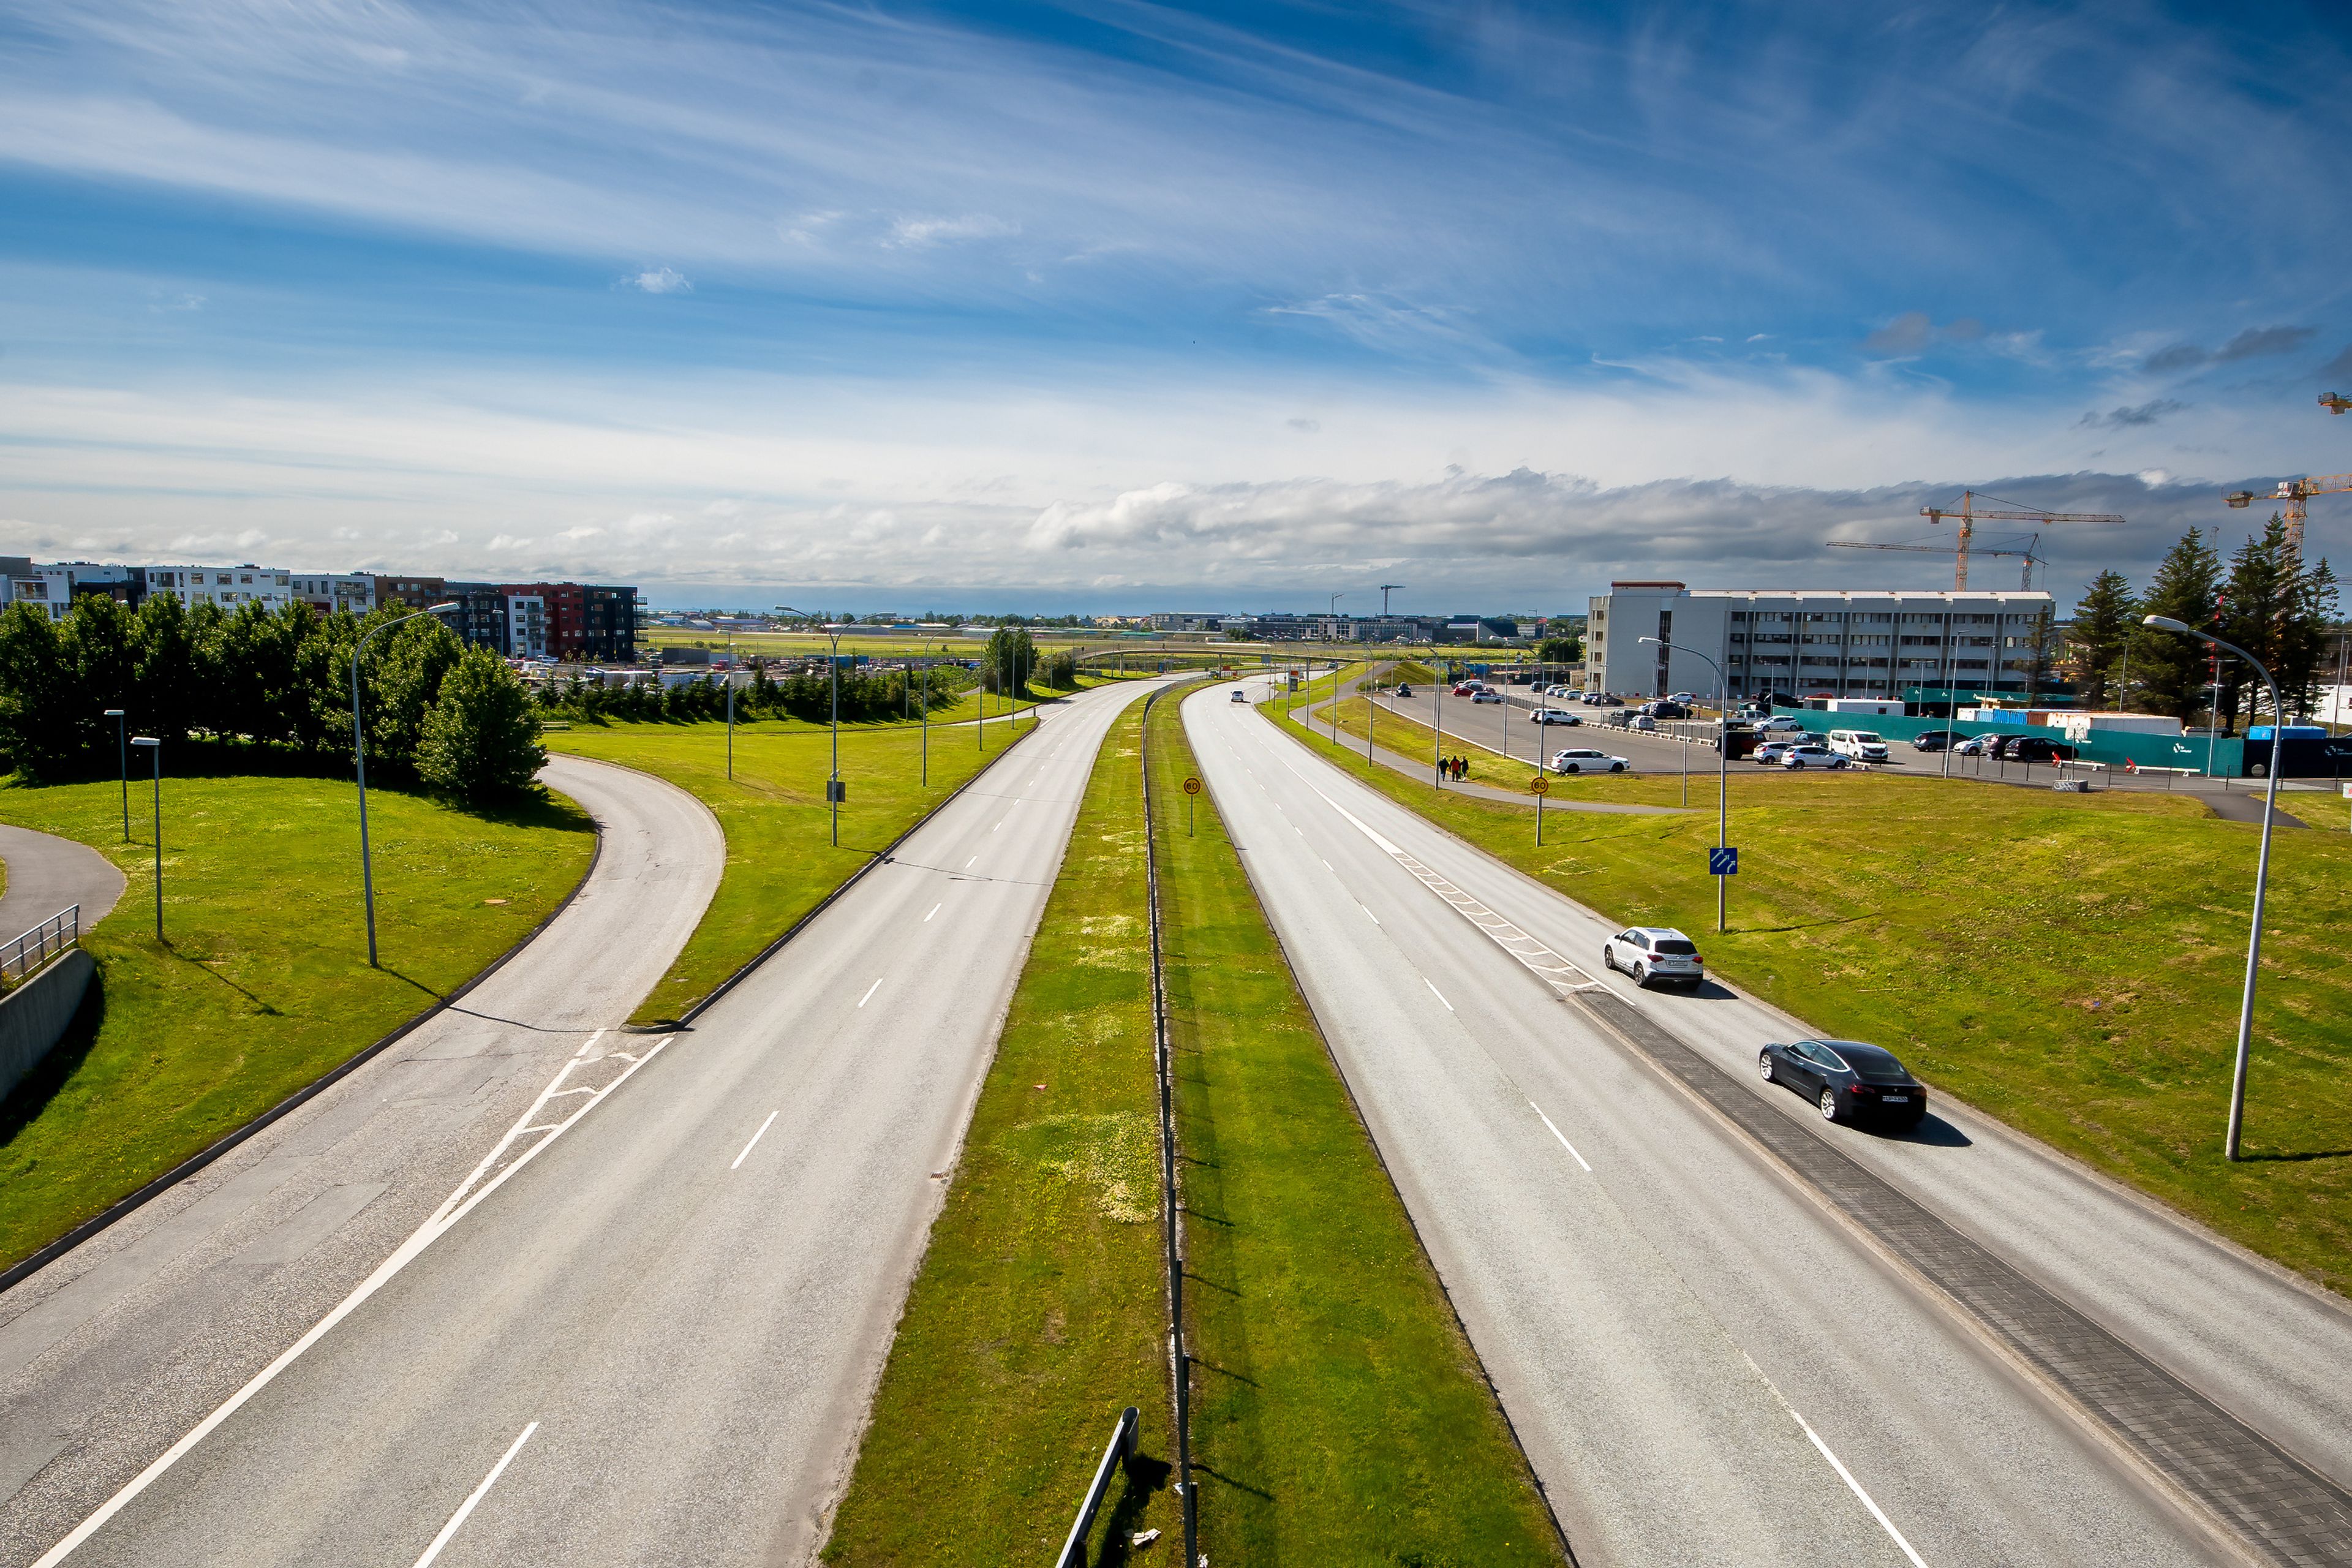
[230, 587]
[526, 625]
[53, 587]
[327, 592]
[1825, 642]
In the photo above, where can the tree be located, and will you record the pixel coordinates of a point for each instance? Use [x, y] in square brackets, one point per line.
[480, 741]
[2104, 619]
[400, 677]
[2169, 671]
[2278, 609]
[38, 691]
[1010, 660]
[1566, 647]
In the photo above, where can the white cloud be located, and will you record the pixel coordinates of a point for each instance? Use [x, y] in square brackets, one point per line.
[921, 233]
[662, 280]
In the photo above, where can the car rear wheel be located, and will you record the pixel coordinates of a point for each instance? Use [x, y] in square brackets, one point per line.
[1764, 1066]
[1608, 956]
[1828, 1105]
[1641, 975]
[1572, 768]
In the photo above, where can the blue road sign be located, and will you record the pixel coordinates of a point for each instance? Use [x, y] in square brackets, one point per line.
[1723, 862]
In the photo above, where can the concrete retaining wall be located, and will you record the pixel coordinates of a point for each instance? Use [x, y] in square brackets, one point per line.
[34, 1016]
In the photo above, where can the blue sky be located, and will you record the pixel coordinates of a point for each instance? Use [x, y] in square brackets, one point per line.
[1118, 306]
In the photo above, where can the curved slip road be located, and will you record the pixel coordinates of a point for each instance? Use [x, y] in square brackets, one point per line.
[117, 1349]
[1659, 1302]
[47, 874]
[652, 1336]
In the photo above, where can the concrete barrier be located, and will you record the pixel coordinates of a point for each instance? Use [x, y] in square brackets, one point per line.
[33, 1016]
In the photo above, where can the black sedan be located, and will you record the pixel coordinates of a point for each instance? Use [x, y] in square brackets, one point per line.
[1849, 1081]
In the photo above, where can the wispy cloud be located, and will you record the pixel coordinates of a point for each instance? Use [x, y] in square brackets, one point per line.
[921, 233]
[2146, 413]
[2254, 342]
[662, 280]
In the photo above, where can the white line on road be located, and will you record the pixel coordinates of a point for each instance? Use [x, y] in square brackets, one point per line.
[1376, 919]
[936, 908]
[870, 991]
[481, 1492]
[1558, 1134]
[968, 865]
[762, 1132]
[1434, 991]
[1844, 1475]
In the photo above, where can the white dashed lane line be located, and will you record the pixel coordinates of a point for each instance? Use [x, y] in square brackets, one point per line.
[762, 1132]
[870, 991]
[449, 1530]
[1434, 991]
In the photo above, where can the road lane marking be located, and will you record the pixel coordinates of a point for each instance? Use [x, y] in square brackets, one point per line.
[937, 908]
[442, 1221]
[1376, 919]
[1558, 1134]
[1434, 991]
[969, 864]
[481, 1492]
[870, 991]
[1844, 1475]
[762, 1132]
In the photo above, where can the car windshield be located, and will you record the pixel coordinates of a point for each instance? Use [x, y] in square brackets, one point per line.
[1676, 947]
[1875, 1065]
[1868, 738]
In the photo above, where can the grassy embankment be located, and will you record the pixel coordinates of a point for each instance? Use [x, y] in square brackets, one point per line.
[262, 984]
[2070, 963]
[1040, 1308]
[1338, 1413]
[779, 856]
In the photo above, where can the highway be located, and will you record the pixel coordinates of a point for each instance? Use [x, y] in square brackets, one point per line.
[1710, 1356]
[650, 1334]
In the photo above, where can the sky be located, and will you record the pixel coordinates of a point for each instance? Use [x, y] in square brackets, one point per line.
[1118, 306]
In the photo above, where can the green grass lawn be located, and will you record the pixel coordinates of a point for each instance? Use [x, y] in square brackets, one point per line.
[263, 983]
[1040, 1307]
[1338, 1413]
[779, 856]
[2070, 963]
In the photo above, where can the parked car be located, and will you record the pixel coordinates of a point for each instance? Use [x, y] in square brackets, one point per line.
[1975, 746]
[1621, 718]
[1781, 725]
[1558, 693]
[1935, 740]
[1640, 721]
[1849, 1081]
[1811, 754]
[1466, 687]
[1584, 760]
[1655, 952]
[1485, 695]
[1553, 716]
[1665, 708]
[1770, 753]
[1859, 745]
[1685, 698]
[2033, 748]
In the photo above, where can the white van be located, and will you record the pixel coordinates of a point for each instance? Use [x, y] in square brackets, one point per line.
[1858, 745]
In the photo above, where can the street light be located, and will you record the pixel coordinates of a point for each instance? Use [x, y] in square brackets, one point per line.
[1723, 773]
[155, 749]
[2262, 875]
[123, 746]
[359, 762]
[832, 790]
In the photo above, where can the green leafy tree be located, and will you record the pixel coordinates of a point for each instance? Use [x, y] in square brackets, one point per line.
[2104, 620]
[1565, 649]
[2169, 671]
[1010, 660]
[37, 693]
[400, 677]
[481, 740]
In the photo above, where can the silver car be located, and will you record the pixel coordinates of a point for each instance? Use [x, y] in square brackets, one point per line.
[1799, 758]
[1655, 952]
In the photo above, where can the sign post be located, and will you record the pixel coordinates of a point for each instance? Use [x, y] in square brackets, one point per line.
[1539, 787]
[1191, 788]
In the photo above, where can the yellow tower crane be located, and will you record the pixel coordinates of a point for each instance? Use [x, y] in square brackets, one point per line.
[2292, 494]
[1968, 516]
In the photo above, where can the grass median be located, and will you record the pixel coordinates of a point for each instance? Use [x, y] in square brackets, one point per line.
[780, 857]
[1338, 1415]
[1040, 1308]
[262, 983]
[2070, 963]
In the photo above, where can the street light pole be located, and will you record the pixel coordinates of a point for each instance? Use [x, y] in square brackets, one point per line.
[123, 745]
[1723, 775]
[156, 748]
[832, 665]
[359, 764]
[2261, 878]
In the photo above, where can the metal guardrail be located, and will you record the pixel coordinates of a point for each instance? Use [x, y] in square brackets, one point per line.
[36, 947]
[1121, 1449]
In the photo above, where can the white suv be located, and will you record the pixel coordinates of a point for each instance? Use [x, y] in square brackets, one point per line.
[1655, 952]
[1858, 745]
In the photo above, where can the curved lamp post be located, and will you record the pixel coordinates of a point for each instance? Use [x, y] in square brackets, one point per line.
[1722, 768]
[832, 790]
[359, 760]
[2262, 875]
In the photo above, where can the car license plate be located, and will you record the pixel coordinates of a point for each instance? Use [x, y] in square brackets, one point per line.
[1895, 1098]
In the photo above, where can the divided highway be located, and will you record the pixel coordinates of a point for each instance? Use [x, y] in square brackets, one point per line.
[1706, 1363]
[646, 1326]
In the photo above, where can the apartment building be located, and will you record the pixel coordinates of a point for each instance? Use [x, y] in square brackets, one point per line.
[1898, 646]
[327, 591]
[230, 587]
[416, 592]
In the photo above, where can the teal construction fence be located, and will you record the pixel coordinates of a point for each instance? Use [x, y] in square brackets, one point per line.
[2222, 757]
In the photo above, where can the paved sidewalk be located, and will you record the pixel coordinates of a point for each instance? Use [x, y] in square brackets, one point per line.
[47, 874]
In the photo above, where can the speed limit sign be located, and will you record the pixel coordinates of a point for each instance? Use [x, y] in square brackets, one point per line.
[1192, 786]
[1540, 785]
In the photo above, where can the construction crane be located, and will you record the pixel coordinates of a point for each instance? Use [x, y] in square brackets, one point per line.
[1969, 517]
[2032, 560]
[2335, 402]
[2290, 495]
[1384, 597]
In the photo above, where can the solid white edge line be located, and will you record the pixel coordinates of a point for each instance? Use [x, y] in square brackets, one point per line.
[935, 909]
[481, 1492]
[1434, 991]
[870, 991]
[424, 1236]
[1846, 1475]
[762, 1132]
[1558, 1134]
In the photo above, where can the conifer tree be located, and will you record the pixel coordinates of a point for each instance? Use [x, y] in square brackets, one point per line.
[2104, 619]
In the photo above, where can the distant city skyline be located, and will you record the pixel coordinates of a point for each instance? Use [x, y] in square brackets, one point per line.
[1118, 308]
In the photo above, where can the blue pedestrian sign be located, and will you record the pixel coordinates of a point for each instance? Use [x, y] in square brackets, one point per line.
[1723, 862]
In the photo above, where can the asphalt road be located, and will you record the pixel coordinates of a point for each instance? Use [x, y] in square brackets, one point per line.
[651, 1335]
[47, 875]
[1688, 1343]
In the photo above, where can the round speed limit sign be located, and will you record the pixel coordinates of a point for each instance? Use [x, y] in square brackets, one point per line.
[1539, 787]
[1192, 786]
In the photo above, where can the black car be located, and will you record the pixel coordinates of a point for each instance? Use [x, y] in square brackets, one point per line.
[1935, 740]
[2033, 749]
[1849, 1081]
